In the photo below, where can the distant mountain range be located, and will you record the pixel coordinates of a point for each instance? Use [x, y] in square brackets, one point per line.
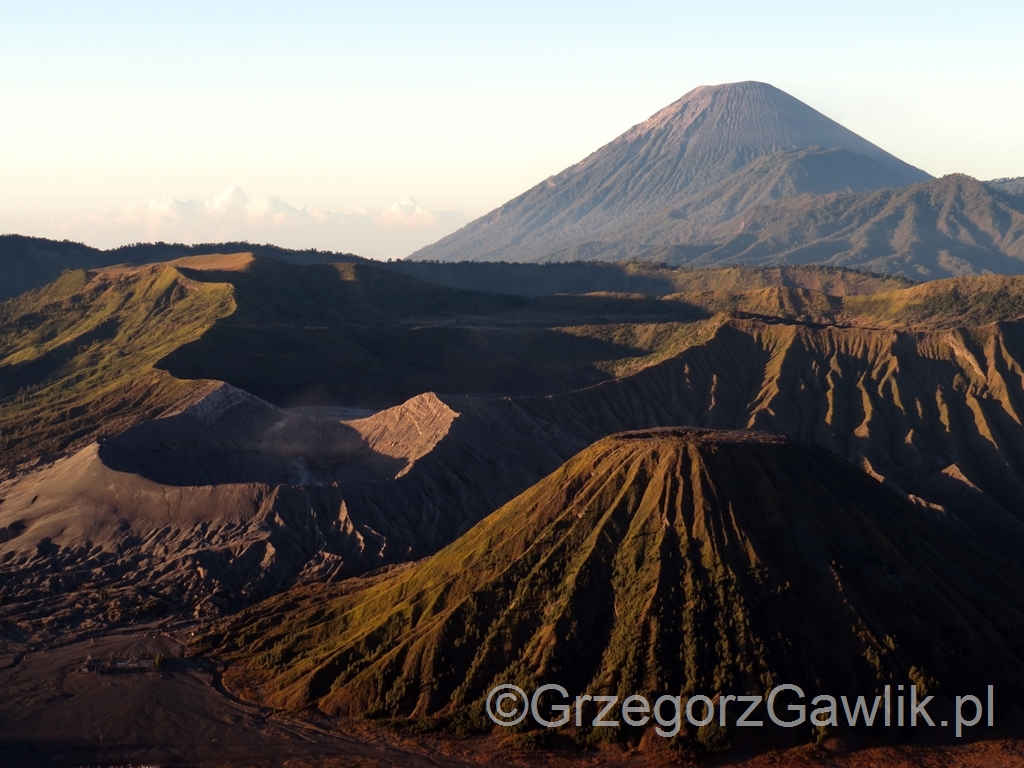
[740, 173]
[743, 173]
[1012, 186]
[949, 226]
[377, 489]
[28, 263]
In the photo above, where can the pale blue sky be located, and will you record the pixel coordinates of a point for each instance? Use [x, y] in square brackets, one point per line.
[121, 121]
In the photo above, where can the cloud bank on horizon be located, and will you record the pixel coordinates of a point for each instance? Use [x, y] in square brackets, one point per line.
[392, 232]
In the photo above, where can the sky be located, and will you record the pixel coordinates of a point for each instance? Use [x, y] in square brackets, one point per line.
[377, 128]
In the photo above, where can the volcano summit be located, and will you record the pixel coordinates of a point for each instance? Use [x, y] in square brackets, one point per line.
[676, 561]
[743, 173]
[675, 156]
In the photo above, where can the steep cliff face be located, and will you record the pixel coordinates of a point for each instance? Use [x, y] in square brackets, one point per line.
[937, 413]
[669, 561]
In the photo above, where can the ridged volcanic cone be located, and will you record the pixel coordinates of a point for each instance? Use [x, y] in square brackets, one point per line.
[676, 561]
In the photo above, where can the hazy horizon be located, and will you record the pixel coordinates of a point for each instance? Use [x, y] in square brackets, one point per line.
[379, 131]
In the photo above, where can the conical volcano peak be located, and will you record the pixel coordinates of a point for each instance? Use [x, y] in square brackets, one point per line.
[754, 119]
[678, 154]
[658, 561]
[747, 95]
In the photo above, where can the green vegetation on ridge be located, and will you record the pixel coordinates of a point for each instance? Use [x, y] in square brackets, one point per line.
[77, 357]
[91, 353]
[366, 335]
[672, 561]
[95, 352]
[27, 263]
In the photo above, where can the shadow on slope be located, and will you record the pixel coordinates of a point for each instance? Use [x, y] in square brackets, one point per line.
[951, 226]
[90, 354]
[32, 262]
[661, 562]
[946, 227]
[232, 499]
[589, 269]
[357, 334]
[937, 414]
[77, 358]
[233, 437]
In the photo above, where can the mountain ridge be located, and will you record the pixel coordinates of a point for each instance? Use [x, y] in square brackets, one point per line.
[919, 386]
[676, 561]
[954, 225]
[682, 150]
[32, 262]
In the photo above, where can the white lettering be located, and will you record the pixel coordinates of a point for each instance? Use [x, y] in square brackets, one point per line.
[676, 721]
[641, 707]
[799, 708]
[563, 708]
[599, 721]
[960, 722]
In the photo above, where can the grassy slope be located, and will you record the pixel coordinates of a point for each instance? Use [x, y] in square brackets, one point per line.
[90, 354]
[354, 333]
[94, 352]
[936, 306]
[27, 263]
[941, 304]
[77, 357]
[650, 563]
[378, 338]
[937, 412]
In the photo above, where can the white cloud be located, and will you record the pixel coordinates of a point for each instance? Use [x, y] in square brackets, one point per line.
[394, 231]
[229, 203]
[405, 214]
